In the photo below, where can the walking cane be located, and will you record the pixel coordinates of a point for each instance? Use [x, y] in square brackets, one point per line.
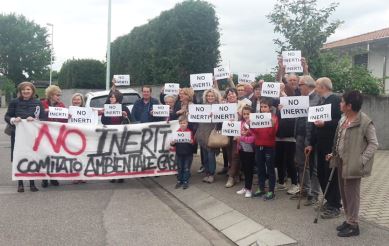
[325, 192]
[302, 179]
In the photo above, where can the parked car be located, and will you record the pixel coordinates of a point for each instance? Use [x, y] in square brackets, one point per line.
[98, 98]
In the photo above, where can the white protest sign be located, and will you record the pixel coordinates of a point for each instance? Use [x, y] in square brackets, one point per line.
[322, 112]
[221, 73]
[199, 113]
[122, 79]
[246, 101]
[231, 128]
[83, 115]
[182, 137]
[246, 77]
[201, 81]
[292, 61]
[294, 107]
[225, 111]
[270, 89]
[52, 150]
[58, 113]
[161, 110]
[260, 120]
[171, 89]
[113, 110]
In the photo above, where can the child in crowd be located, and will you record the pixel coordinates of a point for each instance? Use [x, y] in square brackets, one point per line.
[265, 139]
[184, 154]
[246, 152]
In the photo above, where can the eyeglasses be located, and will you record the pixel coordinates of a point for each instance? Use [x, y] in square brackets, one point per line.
[301, 84]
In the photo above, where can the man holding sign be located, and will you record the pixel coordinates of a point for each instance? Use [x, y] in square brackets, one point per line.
[143, 106]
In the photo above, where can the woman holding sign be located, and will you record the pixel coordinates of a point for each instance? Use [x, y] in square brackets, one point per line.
[210, 96]
[23, 107]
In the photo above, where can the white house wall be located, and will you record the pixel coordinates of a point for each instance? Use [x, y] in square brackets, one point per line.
[376, 64]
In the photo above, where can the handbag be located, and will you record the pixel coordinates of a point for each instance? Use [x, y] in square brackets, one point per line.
[125, 121]
[217, 140]
[9, 130]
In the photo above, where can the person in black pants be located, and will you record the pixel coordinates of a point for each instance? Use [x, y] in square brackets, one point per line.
[322, 138]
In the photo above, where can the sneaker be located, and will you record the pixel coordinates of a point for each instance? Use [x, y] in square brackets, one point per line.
[223, 171]
[330, 213]
[248, 194]
[349, 231]
[201, 170]
[281, 187]
[211, 179]
[205, 179]
[241, 191]
[294, 189]
[185, 186]
[258, 193]
[269, 196]
[343, 226]
[230, 182]
[177, 186]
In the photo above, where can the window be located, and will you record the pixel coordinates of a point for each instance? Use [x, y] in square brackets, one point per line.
[361, 60]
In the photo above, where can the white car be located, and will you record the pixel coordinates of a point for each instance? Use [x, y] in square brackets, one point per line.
[98, 98]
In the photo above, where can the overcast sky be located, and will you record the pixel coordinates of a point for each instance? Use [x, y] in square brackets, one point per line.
[80, 26]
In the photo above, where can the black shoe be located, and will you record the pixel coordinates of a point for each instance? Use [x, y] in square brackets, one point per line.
[351, 230]
[120, 181]
[20, 188]
[44, 184]
[54, 182]
[185, 186]
[33, 188]
[112, 181]
[178, 185]
[342, 226]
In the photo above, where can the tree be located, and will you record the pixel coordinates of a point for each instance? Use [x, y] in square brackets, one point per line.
[179, 42]
[303, 26]
[24, 50]
[82, 73]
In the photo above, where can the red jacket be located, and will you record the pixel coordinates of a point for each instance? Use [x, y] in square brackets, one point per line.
[46, 105]
[266, 137]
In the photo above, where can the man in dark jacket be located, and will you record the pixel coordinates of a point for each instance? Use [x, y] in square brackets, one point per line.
[142, 108]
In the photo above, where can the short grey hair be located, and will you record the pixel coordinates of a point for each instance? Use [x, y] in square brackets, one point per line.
[169, 96]
[325, 82]
[308, 80]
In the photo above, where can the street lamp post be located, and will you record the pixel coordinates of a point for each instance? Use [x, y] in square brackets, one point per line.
[52, 49]
[107, 78]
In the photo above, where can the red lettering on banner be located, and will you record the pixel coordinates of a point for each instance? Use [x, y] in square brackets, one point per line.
[61, 139]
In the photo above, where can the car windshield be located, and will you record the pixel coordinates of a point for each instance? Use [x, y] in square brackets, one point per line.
[128, 99]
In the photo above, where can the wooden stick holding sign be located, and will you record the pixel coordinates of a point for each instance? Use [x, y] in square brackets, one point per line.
[270, 89]
[231, 128]
[322, 113]
[58, 113]
[113, 110]
[171, 89]
[161, 110]
[201, 82]
[221, 73]
[223, 112]
[260, 120]
[200, 113]
[122, 79]
[294, 107]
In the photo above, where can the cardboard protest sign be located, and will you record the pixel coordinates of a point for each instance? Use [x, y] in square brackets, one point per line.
[113, 110]
[294, 107]
[247, 101]
[181, 137]
[292, 61]
[122, 79]
[246, 77]
[322, 112]
[58, 113]
[260, 120]
[199, 113]
[83, 115]
[201, 81]
[223, 112]
[161, 110]
[171, 89]
[221, 73]
[270, 89]
[231, 128]
[52, 150]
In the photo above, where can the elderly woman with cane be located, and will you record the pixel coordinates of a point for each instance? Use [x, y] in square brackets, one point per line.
[353, 151]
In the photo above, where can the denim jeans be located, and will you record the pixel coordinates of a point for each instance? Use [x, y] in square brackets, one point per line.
[209, 161]
[184, 162]
[264, 160]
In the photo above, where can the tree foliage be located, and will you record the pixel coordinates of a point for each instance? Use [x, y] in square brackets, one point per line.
[82, 73]
[303, 26]
[24, 50]
[177, 43]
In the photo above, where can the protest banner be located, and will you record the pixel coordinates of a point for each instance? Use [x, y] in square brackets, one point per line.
[292, 61]
[58, 113]
[199, 113]
[113, 110]
[322, 112]
[171, 89]
[270, 89]
[294, 107]
[223, 112]
[246, 77]
[231, 128]
[221, 73]
[83, 115]
[161, 110]
[201, 81]
[52, 150]
[260, 120]
[181, 137]
[122, 79]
